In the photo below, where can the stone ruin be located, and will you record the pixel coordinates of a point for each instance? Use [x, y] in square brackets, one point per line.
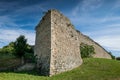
[57, 44]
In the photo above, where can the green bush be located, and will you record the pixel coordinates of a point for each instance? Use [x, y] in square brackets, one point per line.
[86, 50]
[117, 58]
[29, 57]
[9, 49]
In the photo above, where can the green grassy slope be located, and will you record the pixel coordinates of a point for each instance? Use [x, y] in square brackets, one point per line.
[91, 69]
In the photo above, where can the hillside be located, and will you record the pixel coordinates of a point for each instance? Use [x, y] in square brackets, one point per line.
[91, 69]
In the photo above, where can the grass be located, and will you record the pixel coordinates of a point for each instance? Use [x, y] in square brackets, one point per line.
[91, 69]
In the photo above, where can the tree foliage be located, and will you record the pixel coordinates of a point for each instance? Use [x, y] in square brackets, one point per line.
[86, 50]
[20, 49]
[20, 46]
[9, 49]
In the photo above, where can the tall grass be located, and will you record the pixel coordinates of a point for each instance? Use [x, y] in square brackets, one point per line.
[91, 69]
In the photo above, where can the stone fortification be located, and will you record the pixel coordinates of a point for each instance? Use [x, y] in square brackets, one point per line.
[100, 52]
[43, 44]
[57, 44]
[65, 54]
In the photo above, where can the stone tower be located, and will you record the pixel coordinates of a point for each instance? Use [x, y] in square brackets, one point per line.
[56, 45]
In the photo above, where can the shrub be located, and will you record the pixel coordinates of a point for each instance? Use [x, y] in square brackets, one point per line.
[29, 57]
[8, 50]
[118, 58]
[86, 50]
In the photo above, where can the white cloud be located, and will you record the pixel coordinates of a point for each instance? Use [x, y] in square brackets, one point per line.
[105, 30]
[90, 20]
[109, 37]
[5, 20]
[81, 13]
[109, 41]
[8, 35]
[10, 30]
[86, 5]
[91, 4]
[111, 18]
[102, 26]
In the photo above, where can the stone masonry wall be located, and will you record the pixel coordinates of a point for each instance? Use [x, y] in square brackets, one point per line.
[100, 52]
[65, 54]
[43, 44]
[57, 44]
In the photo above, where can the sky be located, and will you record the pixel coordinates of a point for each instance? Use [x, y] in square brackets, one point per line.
[99, 19]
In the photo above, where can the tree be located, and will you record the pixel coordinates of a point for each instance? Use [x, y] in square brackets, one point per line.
[20, 46]
[29, 49]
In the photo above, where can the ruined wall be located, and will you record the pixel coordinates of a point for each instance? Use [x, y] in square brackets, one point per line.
[57, 44]
[43, 44]
[65, 53]
[100, 52]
